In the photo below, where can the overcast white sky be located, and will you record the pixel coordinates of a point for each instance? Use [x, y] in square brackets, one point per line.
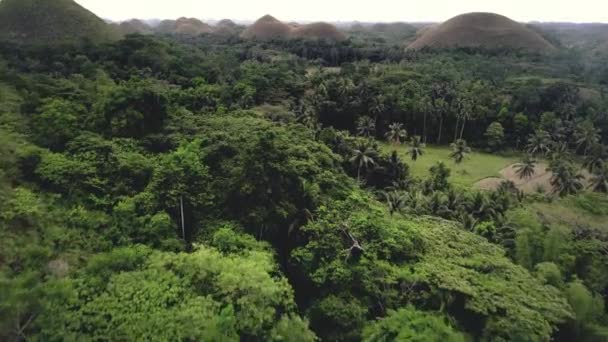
[350, 10]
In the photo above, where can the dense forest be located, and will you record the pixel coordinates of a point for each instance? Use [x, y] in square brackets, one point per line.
[172, 187]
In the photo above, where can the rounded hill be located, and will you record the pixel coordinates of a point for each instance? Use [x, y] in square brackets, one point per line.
[134, 26]
[483, 30]
[267, 27]
[51, 22]
[393, 28]
[226, 23]
[185, 26]
[318, 31]
[227, 27]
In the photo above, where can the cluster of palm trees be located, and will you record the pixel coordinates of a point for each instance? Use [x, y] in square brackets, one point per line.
[397, 135]
[566, 179]
[435, 196]
[469, 208]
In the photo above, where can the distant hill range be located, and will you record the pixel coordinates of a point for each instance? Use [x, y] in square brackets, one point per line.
[591, 38]
[392, 33]
[482, 30]
[181, 26]
[65, 21]
[268, 27]
[51, 22]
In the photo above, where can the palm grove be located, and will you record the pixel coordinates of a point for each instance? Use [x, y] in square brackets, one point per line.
[209, 188]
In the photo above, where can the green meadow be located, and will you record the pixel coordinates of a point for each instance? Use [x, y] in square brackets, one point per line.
[478, 165]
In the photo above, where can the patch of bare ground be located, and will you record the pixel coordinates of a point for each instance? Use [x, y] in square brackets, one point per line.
[541, 180]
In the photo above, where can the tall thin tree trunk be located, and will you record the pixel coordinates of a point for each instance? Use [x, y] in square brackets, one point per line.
[440, 129]
[181, 206]
[464, 122]
[456, 128]
[424, 128]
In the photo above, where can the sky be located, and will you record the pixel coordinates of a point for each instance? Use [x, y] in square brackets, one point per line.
[350, 10]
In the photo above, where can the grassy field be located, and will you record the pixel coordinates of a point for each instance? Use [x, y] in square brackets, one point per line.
[585, 210]
[475, 167]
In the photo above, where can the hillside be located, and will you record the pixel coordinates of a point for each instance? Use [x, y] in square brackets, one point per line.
[51, 21]
[227, 27]
[318, 31]
[134, 26]
[186, 26]
[265, 28]
[487, 30]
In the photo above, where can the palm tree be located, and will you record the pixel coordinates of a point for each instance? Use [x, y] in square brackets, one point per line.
[363, 156]
[565, 180]
[417, 203]
[560, 151]
[526, 168]
[416, 148]
[377, 105]
[396, 133]
[438, 178]
[482, 207]
[366, 126]
[307, 115]
[539, 143]
[395, 201]
[599, 180]
[597, 156]
[464, 105]
[309, 121]
[396, 169]
[438, 205]
[585, 134]
[459, 150]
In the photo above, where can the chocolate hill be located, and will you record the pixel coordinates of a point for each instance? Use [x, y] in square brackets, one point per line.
[186, 26]
[134, 26]
[51, 22]
[317, 31]
[485, 30]
[266, 28]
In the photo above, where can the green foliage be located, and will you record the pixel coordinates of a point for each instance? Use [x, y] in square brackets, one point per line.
[549, 273]
[135, 221]
[528, 245]
[592, 203]
[292, 329]
[565, 179]
[133, 108]
[226, 296]
[266, 176]
[459, 151]
[228, 239]
[410, 324]
[112, 155]
[182, 176]
[495, 136]
[59, 121]
[439, 174]
[442, 266]
[588, 309]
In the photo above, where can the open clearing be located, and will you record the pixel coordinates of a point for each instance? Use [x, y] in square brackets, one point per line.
[482, 170]
[475, 167]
